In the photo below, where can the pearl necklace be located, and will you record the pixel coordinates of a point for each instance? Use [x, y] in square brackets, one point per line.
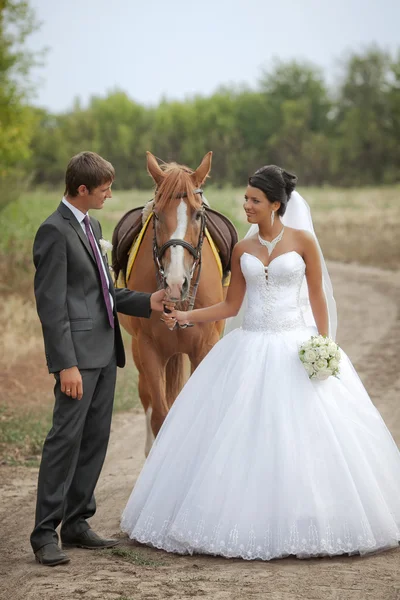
[271, 245]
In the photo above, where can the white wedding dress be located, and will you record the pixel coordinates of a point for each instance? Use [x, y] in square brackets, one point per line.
[255, 460]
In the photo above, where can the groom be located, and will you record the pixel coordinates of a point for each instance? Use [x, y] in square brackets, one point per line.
[77, 306]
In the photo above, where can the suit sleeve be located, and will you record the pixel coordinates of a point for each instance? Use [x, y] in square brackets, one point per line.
[50, 259]
[135, 304]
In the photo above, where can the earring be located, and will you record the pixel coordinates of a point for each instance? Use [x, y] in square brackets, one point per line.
[272, 218]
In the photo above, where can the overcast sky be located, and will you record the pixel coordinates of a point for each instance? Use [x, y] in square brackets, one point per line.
[178, 48]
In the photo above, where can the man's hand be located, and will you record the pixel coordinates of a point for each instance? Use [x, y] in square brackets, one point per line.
[159, 300]
[71, 382]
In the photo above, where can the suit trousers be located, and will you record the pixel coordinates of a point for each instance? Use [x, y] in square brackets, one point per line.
[73, 456]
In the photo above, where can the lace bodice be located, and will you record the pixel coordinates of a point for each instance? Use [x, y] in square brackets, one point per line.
[273, 299]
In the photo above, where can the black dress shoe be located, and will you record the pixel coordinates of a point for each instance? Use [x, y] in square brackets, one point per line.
[51, 555]
[88, 539]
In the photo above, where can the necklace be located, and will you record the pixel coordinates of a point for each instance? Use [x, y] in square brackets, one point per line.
[271, 245]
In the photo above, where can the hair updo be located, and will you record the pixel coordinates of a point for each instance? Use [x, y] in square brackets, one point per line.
[276, 183]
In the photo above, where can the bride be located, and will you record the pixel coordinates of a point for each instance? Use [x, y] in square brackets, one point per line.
[256, 460]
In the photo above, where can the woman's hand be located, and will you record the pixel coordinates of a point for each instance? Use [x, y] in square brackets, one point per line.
[180, 316]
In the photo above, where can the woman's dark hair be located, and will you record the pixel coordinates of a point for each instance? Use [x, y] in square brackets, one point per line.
[276, 183]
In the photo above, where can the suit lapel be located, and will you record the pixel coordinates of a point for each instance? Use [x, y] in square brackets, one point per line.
[82, 237]
[67, 214]
[97, 234]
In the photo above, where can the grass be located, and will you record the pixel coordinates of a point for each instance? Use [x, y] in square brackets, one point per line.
[353, 225]
[375, 199]
[340, 215]
[126, 392]
[22, 433]
[133, 556]
[23, 429]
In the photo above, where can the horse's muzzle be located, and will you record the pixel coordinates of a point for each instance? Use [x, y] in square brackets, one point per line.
[178, 292]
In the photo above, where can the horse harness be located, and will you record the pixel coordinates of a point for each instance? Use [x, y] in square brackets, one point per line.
[158, 254]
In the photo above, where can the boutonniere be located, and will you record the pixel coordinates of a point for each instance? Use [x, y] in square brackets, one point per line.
[105, 246]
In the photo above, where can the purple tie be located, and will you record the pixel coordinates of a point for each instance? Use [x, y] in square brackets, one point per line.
[104, 283]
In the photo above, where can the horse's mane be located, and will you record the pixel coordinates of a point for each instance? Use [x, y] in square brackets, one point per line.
[177, 181]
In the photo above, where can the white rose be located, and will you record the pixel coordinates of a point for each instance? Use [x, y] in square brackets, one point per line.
[338, 356]
[309, 369]
[324, 374]
[333, 364]
[321, 363]
[105, 246]
[323, 353]
[332, 348]
[310, 356]
[306, 345]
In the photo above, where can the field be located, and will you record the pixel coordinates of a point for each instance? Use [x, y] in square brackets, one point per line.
[359, 234]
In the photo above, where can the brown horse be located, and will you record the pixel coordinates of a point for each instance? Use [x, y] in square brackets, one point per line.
[176, 254]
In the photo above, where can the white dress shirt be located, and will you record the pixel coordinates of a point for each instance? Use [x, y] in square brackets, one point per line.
[79, 215]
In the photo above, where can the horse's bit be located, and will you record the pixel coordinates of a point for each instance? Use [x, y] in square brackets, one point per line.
[158, 253]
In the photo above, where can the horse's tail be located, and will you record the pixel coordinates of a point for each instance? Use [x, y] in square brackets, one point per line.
[176, 376]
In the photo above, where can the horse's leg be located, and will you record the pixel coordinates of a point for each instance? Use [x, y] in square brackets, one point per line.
[176, 375]
[219, 325]
[145, 397]
[154, 367]
[144, 394]
[201, 351]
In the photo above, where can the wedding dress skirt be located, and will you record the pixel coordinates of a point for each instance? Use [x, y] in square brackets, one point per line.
[255, 460]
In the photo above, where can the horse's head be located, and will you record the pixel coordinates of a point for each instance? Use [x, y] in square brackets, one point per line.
[179, 222]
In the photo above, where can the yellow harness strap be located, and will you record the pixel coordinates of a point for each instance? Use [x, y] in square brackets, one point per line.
[214, 251]
[122, 279]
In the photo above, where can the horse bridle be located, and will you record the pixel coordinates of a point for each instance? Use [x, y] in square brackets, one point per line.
[158, 254]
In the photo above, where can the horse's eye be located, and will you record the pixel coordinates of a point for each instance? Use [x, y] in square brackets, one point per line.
[198, 215]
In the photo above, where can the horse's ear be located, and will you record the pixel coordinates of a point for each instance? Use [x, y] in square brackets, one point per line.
[200, 174]
[154, 168]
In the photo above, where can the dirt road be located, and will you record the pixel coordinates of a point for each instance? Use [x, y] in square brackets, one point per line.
[369, 318]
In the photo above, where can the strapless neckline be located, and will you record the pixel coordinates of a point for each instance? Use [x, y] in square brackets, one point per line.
[274, 259]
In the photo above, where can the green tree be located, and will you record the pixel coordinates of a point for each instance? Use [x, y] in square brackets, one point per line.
[392, 171]
[296, 81]
[348, 136]
[17, 119]
[122, 135]
[367, 105]
[298, 107]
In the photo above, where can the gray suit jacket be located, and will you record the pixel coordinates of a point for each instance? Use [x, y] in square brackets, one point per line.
[70, 300]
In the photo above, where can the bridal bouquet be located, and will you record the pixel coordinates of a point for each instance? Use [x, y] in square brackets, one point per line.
[321, 357]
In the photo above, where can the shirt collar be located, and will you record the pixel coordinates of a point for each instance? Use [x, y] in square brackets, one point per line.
[79, 215]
